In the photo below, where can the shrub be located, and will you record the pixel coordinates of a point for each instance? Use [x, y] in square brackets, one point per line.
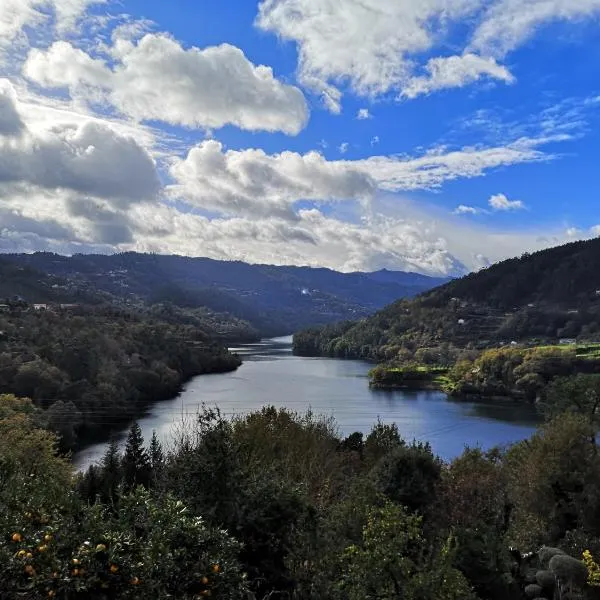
[569, 569]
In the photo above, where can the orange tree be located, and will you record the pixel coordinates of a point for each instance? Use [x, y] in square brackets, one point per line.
[54, 545]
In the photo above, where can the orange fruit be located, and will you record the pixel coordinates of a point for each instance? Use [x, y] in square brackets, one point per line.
[100, 548]
[17, 537]
[42, 548]
[47, 538]
[204, 580]
[135, 581]
[114, 568]
[216, 568]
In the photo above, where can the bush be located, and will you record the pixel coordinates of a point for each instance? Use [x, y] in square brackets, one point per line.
[569, 569]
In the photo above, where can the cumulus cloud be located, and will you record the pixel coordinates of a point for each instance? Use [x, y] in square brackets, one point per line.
[380, 46]
[367, 44]
[251, 182]
[343, 147]
[374, 140]
[88, 158]
[501, 202]
[455, 71]
[157, 79]
[10, 120]
[15, 15]
[363, 114]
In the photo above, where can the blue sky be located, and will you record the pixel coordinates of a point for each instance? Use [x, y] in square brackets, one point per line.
[436, 136]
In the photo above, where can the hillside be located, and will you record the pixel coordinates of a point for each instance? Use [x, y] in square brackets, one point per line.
[537, 298]
[274, 299]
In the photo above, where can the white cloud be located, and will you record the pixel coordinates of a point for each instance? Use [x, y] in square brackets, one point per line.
[11, 123]
[88, 158]
[380, 46]
[595, 230]
[343, 147]
[508, 23]
[363, 114]
[437, 166]
[501, 202]
[463, 209]
[455, 71]
[251, 182]
[374, 140]
[15, 15]
[368, 44]
[157, 79]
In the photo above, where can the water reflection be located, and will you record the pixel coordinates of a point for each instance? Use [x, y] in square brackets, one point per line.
[271, 375]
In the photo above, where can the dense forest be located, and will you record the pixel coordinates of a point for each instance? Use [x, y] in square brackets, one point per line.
[90, 369]
[275, 505]
[276, 300]
[536, 299]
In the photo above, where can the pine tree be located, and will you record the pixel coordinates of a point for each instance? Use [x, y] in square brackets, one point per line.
[157, 458]
[112, 472]
[136, 463]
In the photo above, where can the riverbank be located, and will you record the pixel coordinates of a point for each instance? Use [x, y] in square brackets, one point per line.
[272, 376]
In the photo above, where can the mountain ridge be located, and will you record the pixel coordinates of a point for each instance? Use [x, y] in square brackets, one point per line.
[275, 299]
[542, 297]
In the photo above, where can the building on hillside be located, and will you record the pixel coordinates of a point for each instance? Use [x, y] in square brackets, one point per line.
[40, 307]
[567, 341]
[4, 308]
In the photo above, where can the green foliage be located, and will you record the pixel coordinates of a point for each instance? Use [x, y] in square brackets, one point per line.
[95, 370]
[554, 483]
[136, 462]
[408, 475]
[149, 549]
[569, 569]
[579, 394]
[393, 561]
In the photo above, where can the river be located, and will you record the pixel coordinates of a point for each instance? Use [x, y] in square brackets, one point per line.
[272, 375]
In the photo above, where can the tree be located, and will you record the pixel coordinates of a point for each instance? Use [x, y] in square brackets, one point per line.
[408, 475]
[136, 462]
[381, 439]
[156, 457]
[578, 394]
[64, 418]
[392, 562]
[112, 472]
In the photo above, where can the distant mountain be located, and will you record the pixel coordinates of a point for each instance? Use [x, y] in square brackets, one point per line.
[274, 299]
[541, 297]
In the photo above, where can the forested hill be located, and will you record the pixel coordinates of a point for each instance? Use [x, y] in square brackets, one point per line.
[567, 276]
[536, 298]
[275, 299]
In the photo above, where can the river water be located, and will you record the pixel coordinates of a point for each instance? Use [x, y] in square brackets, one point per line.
[272, 375]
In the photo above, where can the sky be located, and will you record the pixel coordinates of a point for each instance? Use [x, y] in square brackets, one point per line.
[436, 136]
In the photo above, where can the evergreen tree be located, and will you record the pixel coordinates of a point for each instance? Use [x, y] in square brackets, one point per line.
[136, 462]
[112, 471]
[157, 458]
